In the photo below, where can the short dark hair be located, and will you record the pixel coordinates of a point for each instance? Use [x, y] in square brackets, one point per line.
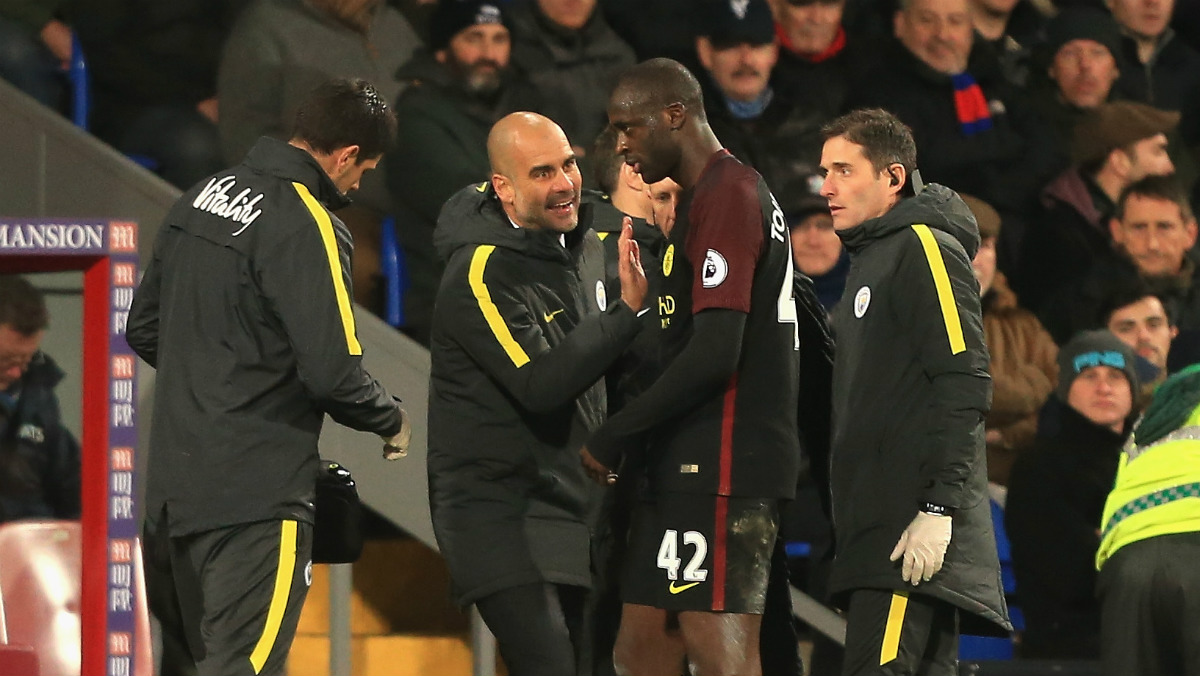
[885, 140]
[1124, 289]
[661, 82]
[606, 161]
[346, 112]
[1166, 188]
[22, 306]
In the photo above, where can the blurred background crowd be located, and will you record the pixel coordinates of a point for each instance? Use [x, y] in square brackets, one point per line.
[1070, 126]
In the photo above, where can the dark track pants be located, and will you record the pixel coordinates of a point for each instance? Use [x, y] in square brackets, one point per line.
[892, 633]
[228, 599]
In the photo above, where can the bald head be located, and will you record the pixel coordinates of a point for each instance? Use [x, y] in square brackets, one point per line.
[516, 131]
[655, 84]
[534, 172]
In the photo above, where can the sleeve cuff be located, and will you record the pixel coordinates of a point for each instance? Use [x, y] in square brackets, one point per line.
[604, 448]
[946, 496]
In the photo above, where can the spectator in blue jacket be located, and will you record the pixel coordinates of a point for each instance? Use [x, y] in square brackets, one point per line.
[39, 458]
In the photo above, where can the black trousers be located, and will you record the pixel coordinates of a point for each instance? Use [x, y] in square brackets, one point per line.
[228, 599]
[538, 627]
[1150, 608]
[892, 633]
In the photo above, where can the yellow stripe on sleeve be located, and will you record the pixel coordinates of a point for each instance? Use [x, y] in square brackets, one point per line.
[891, 632]
[335, 266]
[279, 599]
[941, 281]
[499, 329]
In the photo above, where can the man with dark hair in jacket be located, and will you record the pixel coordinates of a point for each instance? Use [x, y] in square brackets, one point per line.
[39, 458]
[915, 547]
[245, 312]
[523, 331]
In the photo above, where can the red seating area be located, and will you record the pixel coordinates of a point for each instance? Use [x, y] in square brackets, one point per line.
[40, 566]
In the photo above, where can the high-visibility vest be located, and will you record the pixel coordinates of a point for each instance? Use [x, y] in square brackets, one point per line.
[1157, 491]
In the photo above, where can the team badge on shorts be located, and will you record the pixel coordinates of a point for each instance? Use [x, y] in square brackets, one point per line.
[601, 296]
[715, 269]
[862, 300]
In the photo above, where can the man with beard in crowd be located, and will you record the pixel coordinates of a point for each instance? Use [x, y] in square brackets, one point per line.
[458, 88]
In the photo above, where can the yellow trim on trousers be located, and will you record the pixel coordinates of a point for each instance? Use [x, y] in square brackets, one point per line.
[279, 599]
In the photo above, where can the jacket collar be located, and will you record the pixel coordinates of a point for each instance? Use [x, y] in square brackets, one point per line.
[283, 160]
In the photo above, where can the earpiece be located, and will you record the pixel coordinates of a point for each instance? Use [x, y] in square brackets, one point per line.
[895, 181]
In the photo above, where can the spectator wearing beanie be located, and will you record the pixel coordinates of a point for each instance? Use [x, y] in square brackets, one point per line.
[1076, 70]
[454, 90]
[1056, 495]
[1023, 355]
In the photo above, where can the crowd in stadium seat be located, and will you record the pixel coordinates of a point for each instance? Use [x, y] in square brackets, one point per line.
[1075, 124]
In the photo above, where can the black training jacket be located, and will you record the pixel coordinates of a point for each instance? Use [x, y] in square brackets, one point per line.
[910, 392]
[523, 330]
[245, 310]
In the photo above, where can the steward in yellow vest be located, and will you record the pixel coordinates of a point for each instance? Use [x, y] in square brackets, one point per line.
[1149, 551]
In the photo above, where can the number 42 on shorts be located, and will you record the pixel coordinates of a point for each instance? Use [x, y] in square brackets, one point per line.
[668, 558]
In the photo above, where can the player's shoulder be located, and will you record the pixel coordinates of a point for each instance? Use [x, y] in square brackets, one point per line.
[728, 180]
[727, 170]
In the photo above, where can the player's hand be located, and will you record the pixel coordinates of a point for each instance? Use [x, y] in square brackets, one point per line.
[396, 446]
[629, 268]
[923, 545]
[599, 473]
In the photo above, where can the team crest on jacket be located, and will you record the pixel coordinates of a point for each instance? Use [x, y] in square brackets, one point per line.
[862, 300]
[715, 269]
[601, 296]
[668, 260]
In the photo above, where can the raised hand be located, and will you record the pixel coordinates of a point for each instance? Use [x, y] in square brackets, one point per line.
[629, 268]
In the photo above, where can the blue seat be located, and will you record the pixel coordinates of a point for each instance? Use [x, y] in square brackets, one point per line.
[77, 74]
[81, 98]
[977, 648]
[395, 273]
[798, 550]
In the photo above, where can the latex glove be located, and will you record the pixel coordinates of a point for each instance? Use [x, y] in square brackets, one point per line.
[396, 446]
[923, 545]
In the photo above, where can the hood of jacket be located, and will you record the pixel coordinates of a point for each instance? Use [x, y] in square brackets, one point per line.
[279, 158]
[1071, 188]
[474, 216]
[937, 206]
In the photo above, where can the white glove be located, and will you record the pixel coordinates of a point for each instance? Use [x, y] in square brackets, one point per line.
[923, 545]
[396, 446]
